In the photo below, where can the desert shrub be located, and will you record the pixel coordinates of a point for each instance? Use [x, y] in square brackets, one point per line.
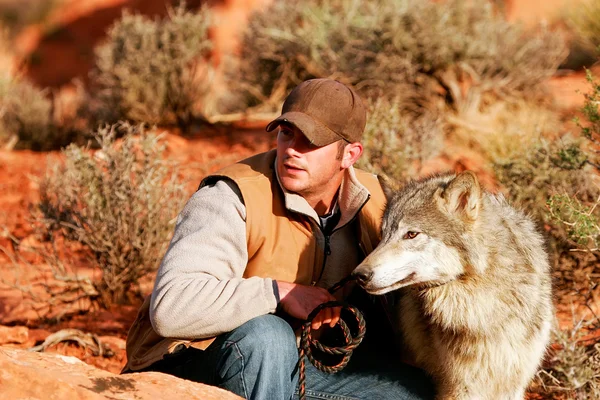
[419, 50]
[538, 172]
[558, 170]
[154, 71]
[580, 215]
[16, 14]
[117, 203]
[581, 221]
[573, 365]
[557, 182]
[590, 128]
[534, 176]
[34, 119]
[25, 118]
[584, 19]
[396, 144]
[546, 177]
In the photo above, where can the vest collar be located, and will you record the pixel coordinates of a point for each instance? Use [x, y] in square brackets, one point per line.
[351, 198]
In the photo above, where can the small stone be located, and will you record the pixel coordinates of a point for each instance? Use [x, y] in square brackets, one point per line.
[13, 334]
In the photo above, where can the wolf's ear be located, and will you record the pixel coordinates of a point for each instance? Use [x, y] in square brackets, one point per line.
[463, 196]
[388, 187]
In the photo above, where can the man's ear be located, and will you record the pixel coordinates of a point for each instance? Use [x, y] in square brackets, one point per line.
[462, 196]
[352, 152]
[388, 187]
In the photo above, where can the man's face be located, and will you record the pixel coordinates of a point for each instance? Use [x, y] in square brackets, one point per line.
[303, 168]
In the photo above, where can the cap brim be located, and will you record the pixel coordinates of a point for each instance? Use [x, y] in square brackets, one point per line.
[317, 133]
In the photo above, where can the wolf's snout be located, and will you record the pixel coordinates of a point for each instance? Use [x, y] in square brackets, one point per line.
[362, 276]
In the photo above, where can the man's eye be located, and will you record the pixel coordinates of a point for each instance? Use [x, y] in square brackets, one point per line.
[410, 235]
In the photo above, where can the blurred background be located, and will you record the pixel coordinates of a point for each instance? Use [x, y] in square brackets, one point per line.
[112, 111]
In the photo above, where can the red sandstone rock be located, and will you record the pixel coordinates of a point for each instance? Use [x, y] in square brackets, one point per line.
[29, 375]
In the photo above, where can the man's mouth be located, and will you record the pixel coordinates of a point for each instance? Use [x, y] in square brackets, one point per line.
[292, 167]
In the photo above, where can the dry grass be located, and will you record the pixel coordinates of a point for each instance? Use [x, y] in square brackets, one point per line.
[584, 20]
[502, 129]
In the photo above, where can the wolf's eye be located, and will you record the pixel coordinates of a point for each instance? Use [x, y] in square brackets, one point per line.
[410, 235]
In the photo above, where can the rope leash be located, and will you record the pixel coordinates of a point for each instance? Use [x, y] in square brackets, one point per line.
[308, 343]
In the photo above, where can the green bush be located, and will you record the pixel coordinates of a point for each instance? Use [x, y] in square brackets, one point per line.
[396, 144]
[538, 172]
[154, 71]
[118, 203]
[578, 214]
[581, 221]
[530, 179]
[25, 115]
[550, 181]
[590, 129]
[574, 368]
[419, 50]
[557, 182]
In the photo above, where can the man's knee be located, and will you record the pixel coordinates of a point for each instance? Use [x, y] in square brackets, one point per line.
[258, 359]
[268, 334]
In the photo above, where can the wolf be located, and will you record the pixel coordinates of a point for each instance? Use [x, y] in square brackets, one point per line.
[473, 281]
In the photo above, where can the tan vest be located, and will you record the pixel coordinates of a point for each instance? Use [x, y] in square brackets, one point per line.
[281, 245]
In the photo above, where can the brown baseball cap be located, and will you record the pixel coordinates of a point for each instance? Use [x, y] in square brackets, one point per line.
[325, 111]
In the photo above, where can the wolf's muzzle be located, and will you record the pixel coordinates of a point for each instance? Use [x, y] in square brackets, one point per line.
[362, 276]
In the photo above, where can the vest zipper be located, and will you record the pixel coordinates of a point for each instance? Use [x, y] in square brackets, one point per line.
[327, 249]
[327, 252]
[327, 245]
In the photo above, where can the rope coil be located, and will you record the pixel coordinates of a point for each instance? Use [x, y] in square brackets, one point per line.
[308, 343]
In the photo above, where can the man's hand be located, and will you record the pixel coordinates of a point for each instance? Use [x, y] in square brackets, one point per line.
[299, 300]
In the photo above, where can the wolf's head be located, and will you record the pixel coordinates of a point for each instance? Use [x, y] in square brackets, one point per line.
[425, 234]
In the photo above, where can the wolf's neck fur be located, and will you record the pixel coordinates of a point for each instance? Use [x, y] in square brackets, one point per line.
[501, 239]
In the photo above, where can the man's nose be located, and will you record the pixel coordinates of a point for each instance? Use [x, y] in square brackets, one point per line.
[295, 147]
[291, 150]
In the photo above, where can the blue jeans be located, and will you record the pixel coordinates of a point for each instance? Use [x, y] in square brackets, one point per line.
[259, 360]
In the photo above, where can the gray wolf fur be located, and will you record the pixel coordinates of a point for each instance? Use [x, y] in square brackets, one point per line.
[475, 305]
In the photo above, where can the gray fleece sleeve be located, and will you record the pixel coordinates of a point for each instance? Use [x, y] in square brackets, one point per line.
[199, 290]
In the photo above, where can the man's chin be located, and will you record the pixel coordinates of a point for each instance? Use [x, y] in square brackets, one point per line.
[291, 184]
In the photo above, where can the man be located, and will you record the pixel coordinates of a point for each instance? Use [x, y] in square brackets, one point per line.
[257, 246]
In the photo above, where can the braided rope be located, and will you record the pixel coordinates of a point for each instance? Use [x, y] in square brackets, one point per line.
[308, 343]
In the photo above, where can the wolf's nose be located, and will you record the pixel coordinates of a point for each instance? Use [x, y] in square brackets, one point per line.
[362, 276]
